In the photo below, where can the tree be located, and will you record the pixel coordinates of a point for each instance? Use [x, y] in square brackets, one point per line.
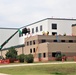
[12, 53]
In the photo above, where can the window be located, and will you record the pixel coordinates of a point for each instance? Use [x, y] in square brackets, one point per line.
[70, 41]
[41, 28]
[44, 55]
[55, 40]
[32, 30]
[54, 33]
[36, 29]
[54, 26]
[30, 42]
[43, 40]
[62, 40]
[30, 50]
[27, 43]
[54, 54]
[33, 49]
[33, 42]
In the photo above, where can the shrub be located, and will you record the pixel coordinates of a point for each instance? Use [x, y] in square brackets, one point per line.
[29, 58]
[21, 58]
[58, 57]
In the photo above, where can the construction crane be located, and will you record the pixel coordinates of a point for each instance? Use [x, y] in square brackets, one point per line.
[24, 31]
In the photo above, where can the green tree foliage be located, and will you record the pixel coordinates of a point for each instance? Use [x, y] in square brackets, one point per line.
[12, 53]
[29, 58]
[21, 57]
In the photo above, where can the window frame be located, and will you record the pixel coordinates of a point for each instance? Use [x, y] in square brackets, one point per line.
[44, 55]
[34, 50]
[27, 43]
[34, 42]
[32, 30]
[30, 50]
[36, 29]
[54, 26]
[41, 28]
[30, 42]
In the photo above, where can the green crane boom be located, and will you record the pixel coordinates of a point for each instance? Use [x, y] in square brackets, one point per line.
[4, 43]
[24, 31]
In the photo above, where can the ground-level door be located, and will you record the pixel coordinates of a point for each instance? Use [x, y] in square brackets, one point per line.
[55, 53]
[39, 56]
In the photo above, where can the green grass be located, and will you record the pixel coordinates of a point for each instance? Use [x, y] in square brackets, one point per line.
[56, 69]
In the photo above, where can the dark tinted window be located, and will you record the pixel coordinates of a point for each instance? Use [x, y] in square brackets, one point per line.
[54, 26]
[30, 42]
[32, 30]
[40, 28]
[54, 33]
[43, 41]
[33, 42]
[62, 40]
[70, 40]
[36, 29]
[44, 55]
[55, 40]
[33, 49]
[27, 43]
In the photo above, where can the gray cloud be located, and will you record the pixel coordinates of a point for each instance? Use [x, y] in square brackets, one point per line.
[16, 13]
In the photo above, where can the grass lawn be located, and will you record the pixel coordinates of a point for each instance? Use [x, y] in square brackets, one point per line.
[56, 69]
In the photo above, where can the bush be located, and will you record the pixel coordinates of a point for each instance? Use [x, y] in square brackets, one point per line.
[21, 58]
[58, 57]
[29, 58]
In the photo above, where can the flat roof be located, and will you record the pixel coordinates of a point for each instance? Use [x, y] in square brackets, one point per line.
[9, 28]
[17, 46]
[49, 19]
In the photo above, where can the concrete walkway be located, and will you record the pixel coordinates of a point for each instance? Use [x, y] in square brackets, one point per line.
[3, 74]
[31, 64]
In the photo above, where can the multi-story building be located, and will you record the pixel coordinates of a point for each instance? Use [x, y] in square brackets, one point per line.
[59, 26]
[44, 47]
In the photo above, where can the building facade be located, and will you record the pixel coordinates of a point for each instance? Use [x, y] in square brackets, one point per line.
[45, 47]
[59, 26]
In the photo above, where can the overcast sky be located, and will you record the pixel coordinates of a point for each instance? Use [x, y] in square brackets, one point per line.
[18, 13]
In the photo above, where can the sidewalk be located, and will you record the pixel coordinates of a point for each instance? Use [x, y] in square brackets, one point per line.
[31, 64]
[3, 74]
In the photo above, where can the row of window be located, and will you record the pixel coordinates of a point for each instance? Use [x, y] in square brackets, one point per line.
[39, 55]
[54, 26]
[31, 43]
[33, 30]
[64, 41]
[42, 41]
[32, 50]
